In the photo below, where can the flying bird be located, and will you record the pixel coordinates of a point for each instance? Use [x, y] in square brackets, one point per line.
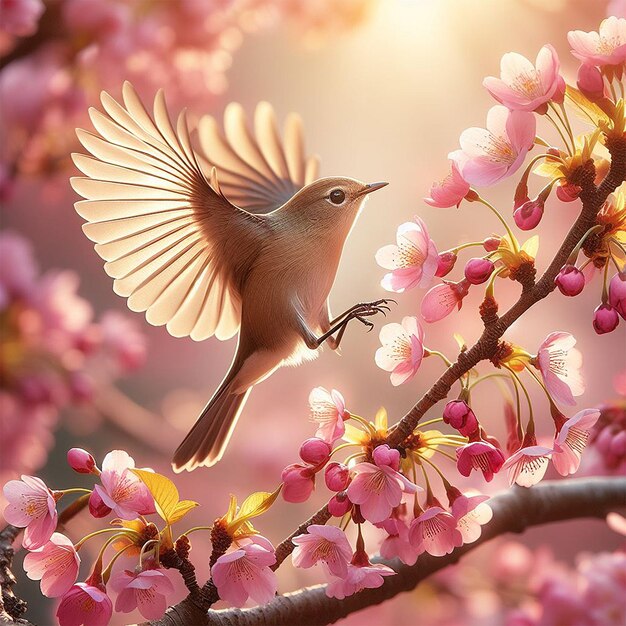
[238, 235]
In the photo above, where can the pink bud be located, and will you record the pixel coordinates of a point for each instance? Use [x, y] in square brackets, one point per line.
[491, 244]
[618, 444]
[445, 263]
[339, 505]
[96, 506]
[298, 483]
[459, 415]
[477, 271]
[605, 319]
[567, 192]
[384, 455]
[315, 451]
[617, 293]
[81, 461]
[559, 92]
[337, 476]
[590, 82]
[570, 280]
[528, 215]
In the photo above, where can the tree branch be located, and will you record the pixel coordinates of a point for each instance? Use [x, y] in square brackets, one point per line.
[513, 511]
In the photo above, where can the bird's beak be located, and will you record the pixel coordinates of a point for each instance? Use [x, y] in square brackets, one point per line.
[372, 187]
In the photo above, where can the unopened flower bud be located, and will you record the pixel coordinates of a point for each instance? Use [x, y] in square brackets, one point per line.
[529, 214]
[491, 244]
[570, 280]
[568, 192]
[459, 415]
[315, 451]
[617, 293]
[445, 263]
[337, 476]
[97, 507]
[590, 82]
[559, 93]
[477, 270]
[385, 456]
[298, 483]
[605, 319]
[81, 461]
[339, 505]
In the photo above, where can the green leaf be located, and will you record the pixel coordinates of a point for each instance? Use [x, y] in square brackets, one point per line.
[163, 491]
[181, 509]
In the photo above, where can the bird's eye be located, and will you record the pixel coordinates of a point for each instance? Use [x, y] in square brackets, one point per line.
[337, 196]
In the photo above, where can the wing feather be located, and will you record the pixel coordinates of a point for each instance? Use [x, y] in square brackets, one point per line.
[166, 233]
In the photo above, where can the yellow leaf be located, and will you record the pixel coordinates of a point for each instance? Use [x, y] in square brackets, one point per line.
[531, 246]
[232, 509]
[380, 421]
[181, 509]
[162, 489]
[355, 435]
[257, 503]
[460, 341]
[586, 109]
[549, 169]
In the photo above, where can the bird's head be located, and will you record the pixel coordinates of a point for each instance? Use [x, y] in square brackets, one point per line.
[332, 198]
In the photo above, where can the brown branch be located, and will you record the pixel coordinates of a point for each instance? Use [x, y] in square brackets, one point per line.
[11, 607]
[513, 511]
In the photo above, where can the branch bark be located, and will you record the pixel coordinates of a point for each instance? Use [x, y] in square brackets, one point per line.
[513, 511]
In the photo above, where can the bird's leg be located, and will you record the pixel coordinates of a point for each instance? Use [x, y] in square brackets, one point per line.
[381, 305]
[358, 312]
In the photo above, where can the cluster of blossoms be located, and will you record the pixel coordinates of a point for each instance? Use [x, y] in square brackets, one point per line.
[53, 353]
[607, 443]
[75, 48]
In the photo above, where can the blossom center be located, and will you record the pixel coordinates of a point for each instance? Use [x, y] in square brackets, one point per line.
[408, 254]
[528, 84]
[499, 150]
[577, 439]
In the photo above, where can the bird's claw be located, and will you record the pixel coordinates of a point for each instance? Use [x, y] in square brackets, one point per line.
[365, 322]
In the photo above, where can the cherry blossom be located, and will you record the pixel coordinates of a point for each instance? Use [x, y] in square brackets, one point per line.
[528, 465]
[315, 451]
[31, 505]
[450, 191]
[55, 564]
[402, 349]
[605, 319]
[435, 531]
[605, 47]
[121, 490]
[358, 577]
[323, 543]
[471, 514]
[85, 604]
[570, 280]
[617, 293]
[559, 363]
[397, 543]
[81, 461]
[328, 409]
[479, 455]
[478, 270]
[298, 482]
[522, 86]
[146, 590]
[590, 82]
[245, 573]
[412, 260]
[489, 155]
[337, 476]
[20, 17]
[571, 440]
[442, 299]
[460, 416]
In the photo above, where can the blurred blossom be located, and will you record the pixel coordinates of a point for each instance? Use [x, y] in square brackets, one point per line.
[20, 17]
[606, 453]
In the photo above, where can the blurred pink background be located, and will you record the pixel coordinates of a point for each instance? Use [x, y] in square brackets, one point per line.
[383, 100]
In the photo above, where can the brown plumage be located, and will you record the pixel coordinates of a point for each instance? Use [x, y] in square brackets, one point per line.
[236, 237]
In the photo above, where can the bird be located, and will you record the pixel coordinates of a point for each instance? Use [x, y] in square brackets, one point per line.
[234, 233]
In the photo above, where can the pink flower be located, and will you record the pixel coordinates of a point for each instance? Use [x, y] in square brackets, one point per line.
[31, 505]
[85, 604]
[146, 591]
[489, 155]
[402, 349]
[471, 513]
[245, 573]
[337, 476]
[528, 465]
[571, 440]
[315, 451]
[528, 215]
[55, 565]
[358, 577]
[478, 270]
[442, 299]
[20, 17]
[617, 293]
[323, 543]
[605, 319]
[97, 507]
[298, 482]
[81, 461]
[559, 363]
[450, 191]
[460, 416]
[606, 47]
[445, 263]
[590, 82]
[328, 409]
[377, 490]
[570, 280]
[413, 259]
[479, 455]
[397, 543]
[435, 532]
[522, 86]
[121, 490]
[339, 504]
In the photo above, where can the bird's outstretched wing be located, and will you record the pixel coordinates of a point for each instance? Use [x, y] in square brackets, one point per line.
[166, 232]
[259, 172]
